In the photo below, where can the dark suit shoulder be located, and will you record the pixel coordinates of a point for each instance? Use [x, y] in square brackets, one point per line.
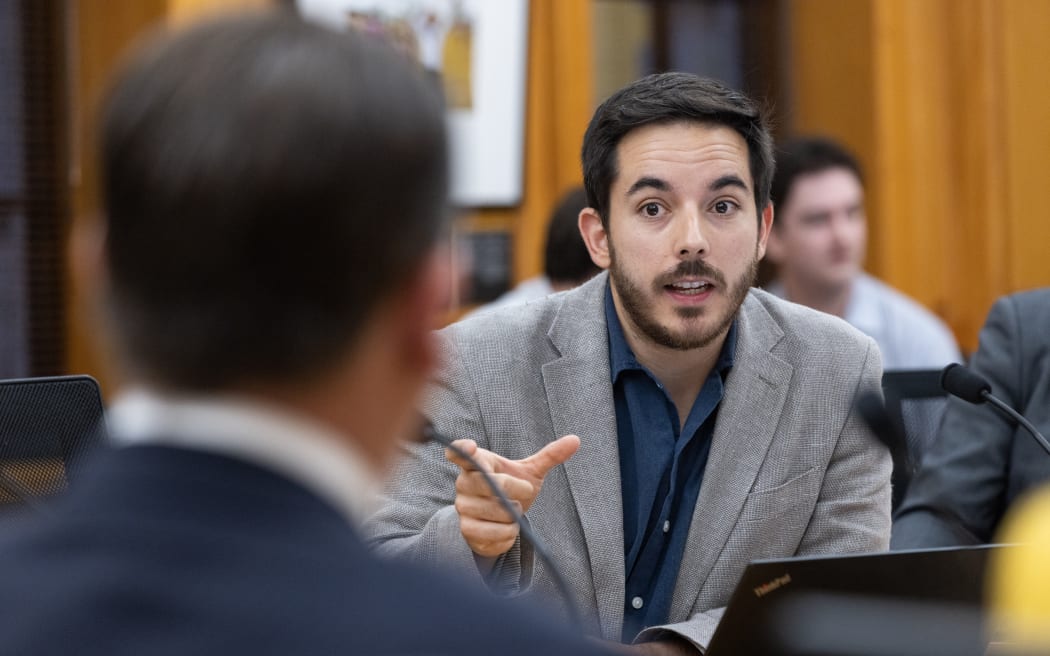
[1027, 312]
[136, 577]
[1031, 303]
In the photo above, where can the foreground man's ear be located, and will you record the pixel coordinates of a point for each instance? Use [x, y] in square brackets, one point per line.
[426, 301]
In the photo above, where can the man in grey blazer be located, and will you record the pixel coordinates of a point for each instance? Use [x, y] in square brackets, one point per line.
[703, 423]
[981, 462]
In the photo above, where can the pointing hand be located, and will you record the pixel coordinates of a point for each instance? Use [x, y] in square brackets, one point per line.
[485, 524]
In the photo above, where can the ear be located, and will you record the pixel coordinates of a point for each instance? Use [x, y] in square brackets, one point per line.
[425, 300]
[766, 238]
[595, 236]
[90, 287]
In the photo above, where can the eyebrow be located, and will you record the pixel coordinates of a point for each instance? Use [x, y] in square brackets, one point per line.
[729, 180]
[648, 183]
[819, 215]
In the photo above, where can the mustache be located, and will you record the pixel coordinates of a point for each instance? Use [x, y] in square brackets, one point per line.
[691, 268]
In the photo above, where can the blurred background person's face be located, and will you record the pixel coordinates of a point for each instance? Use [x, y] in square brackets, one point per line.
[821, 231]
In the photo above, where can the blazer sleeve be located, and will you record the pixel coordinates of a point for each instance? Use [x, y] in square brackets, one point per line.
[417, 519]
[959, 493]
[852, 512]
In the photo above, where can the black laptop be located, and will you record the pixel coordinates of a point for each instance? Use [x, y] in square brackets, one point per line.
[878, 596]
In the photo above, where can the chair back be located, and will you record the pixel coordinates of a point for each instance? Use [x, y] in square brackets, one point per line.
[915, 405]
[47, 427]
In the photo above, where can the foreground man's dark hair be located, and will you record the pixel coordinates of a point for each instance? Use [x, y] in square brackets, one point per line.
[259, 208]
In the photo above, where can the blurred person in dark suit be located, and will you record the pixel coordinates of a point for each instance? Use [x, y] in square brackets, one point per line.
[981, 462]
[274, 193]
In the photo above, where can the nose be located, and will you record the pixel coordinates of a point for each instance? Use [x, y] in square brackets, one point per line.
[838, 226]
[692, 239]
[844, 228]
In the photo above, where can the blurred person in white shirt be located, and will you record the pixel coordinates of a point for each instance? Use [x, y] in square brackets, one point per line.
[818, 244]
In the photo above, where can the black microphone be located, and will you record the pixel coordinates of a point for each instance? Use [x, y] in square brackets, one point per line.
[430, 433]
[959, 381]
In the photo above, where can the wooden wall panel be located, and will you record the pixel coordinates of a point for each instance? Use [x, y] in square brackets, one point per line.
[914, 127]
[946, 105]
[975, 232]
[1027, 128]
[832, 82]
[187, 10]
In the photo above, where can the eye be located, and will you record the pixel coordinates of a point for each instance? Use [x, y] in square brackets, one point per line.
[816, 220]
[724, 207]
[651, 209]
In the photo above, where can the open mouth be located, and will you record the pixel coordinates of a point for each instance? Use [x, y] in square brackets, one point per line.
[690, 288]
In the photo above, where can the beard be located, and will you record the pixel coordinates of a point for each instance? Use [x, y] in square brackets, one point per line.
[640, 306]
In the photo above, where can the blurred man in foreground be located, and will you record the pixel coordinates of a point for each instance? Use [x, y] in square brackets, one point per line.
[818, 244]
[712, 421]
[274, 192]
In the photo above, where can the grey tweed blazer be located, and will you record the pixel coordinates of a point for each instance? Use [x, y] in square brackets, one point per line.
[792, 470]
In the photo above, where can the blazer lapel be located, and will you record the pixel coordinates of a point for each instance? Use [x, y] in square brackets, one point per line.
[580, 397]
[747, 419]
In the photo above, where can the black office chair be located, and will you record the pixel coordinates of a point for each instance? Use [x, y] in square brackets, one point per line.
[47, 427]
[915, 405]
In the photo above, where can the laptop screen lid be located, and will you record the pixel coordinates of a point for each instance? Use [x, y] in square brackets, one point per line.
[952, 576]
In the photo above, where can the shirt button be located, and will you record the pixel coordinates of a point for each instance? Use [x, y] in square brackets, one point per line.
[637, 603]
[667, 525]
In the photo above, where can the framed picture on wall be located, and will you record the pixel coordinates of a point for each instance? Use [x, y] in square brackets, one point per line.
[478, 51]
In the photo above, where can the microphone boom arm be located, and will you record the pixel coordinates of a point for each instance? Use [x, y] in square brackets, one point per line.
[1016, 416]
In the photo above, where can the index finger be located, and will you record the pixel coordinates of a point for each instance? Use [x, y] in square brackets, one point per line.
[468, 447]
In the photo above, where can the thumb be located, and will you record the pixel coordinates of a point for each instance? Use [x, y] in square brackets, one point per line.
[552, 455]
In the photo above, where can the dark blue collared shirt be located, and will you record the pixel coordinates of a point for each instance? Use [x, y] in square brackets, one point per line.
[661, 469]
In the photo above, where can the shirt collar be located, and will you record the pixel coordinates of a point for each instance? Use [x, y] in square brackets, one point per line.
[291, 445]
[861, 311]
[621, 357]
